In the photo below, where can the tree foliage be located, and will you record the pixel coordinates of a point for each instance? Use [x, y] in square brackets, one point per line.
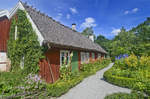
[104, 42]
[88, 31]
[136, 40]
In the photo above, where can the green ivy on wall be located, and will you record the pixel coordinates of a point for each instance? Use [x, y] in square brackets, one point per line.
[25, 49]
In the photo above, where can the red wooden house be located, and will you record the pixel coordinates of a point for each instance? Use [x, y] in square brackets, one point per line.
[61, 41]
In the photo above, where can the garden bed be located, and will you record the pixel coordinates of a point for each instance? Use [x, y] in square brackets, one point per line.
[14, 84]
[61, 86]
[131, 72]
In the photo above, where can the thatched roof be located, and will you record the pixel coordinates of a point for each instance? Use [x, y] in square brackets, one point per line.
[56, 33]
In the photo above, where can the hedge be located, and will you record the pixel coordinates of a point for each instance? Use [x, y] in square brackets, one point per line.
[120, 81]
[61, 87]
[126, 96]
[135, 84]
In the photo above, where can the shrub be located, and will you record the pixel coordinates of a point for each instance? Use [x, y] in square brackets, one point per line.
[120, 64]
[61, 86]
[133, 95]
[144, 62]
[120, 81]
[132, 62]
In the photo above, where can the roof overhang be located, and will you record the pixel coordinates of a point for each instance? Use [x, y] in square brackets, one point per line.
[4, 13]
[66, 47]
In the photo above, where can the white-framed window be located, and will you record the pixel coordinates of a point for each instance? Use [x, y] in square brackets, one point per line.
[64, 57]
[93, 55]
[85, 57]
[82, 57]
[99, 55]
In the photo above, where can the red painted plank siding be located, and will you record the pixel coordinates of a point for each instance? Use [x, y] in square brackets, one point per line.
[79, 59]
[4, 33]
[45, 72]
[96, 56]
[53, 56]
[90, 56]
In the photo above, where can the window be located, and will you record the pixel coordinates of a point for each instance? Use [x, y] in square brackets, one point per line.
[64, 57]
[87, 57]
[99, 55]
[93, 55]
[84, 57]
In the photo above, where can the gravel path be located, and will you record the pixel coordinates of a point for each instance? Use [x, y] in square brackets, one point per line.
[93, 87]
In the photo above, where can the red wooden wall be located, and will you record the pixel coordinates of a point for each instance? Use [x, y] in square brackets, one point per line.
[79, 60]
[4, 33]
[96, 56]
[53, 55]
[45, 72]
[49, 67]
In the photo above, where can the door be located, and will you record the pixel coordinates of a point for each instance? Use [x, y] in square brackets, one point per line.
[74, 61]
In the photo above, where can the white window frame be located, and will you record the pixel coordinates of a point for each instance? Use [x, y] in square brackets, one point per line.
[93, 56]
[99, 55]
[85, 57]
[65, 52]
[82, 57]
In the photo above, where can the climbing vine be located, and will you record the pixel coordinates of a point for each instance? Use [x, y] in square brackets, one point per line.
[24, 49]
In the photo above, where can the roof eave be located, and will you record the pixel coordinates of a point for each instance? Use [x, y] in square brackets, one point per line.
[54, 45]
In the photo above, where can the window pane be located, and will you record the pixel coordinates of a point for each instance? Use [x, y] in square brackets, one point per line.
[62, 60]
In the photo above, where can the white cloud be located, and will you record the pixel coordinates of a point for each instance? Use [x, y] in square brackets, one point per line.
[89, 22]
[115, 31]
[135, 10]
[131, 11]
[126, 12]
[74, 10]
[68, 16]
[59, 16]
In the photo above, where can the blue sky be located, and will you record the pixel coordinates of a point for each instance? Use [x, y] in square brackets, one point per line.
[105, 16]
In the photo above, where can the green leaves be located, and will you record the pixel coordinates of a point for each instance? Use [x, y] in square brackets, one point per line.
[26, 45]
[62, 86]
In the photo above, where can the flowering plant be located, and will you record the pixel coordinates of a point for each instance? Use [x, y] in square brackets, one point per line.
[32, 82]
[132, 62]
[121, 56]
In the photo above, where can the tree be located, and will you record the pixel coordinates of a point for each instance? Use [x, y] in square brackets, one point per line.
[123, 43]
[88, 31]
[104, 42]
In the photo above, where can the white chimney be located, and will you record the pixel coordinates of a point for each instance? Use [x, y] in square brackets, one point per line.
[91, 37]
[74, 26]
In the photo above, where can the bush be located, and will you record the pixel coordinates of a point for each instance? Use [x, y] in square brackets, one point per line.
[132, 62]
[61, 86]
[144, 62]
[14, 83]
[133, 95]
[120, 81]
[139, 82]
